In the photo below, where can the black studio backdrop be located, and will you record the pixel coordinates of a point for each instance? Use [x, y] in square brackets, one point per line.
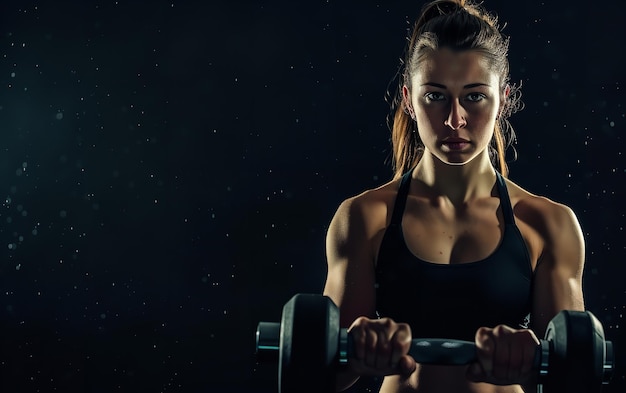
[168, 171]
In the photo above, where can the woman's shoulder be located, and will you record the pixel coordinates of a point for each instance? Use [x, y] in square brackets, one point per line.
[543, 212]
[384, 194]
[370, 207]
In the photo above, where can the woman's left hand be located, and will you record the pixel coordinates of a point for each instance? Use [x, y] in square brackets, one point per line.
[505, 356]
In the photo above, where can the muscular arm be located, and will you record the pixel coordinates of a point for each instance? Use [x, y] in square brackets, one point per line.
[558, 276]
[350, 280]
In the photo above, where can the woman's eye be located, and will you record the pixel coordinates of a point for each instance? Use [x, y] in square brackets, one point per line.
[475, 97]
[434, 96]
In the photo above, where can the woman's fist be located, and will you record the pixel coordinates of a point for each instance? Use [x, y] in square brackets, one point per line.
[381, 347]
[505, 356]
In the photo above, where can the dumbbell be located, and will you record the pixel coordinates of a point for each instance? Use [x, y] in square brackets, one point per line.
[310, 347]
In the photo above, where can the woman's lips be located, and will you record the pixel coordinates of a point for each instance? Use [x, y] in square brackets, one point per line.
[456, 144]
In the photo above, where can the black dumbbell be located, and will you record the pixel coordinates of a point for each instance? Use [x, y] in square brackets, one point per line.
[310, 346]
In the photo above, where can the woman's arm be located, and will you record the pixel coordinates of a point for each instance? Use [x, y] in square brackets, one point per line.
[558, 275]
[350, 279]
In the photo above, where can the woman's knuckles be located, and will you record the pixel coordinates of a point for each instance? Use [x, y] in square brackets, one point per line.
[381, 346]
[505, 355]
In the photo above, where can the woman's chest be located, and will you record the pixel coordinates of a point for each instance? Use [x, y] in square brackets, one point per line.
[447, 235]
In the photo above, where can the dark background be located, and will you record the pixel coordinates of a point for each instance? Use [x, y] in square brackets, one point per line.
[168, 171]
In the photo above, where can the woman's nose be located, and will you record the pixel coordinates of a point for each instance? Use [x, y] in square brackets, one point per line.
[456, 117]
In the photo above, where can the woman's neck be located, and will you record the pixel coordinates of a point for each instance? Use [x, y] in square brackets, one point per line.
[457, 183]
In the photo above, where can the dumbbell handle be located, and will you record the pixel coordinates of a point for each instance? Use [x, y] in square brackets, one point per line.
[424, 351]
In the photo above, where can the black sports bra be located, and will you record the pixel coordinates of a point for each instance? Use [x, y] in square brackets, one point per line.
[454, 300]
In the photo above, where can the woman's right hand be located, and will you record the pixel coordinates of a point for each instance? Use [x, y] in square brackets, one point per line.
[381, 347]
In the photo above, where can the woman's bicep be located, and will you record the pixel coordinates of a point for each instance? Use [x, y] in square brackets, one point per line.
[350, 278]
[558, 276]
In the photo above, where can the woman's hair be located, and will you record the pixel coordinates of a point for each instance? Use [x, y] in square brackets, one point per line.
[457, 25]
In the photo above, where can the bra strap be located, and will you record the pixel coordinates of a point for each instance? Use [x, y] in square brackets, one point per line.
[505, 201]
[403, 192]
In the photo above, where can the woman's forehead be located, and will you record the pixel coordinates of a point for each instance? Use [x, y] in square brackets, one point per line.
[446, 66]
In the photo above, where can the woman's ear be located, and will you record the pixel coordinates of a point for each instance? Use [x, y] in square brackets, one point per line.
[406, 102]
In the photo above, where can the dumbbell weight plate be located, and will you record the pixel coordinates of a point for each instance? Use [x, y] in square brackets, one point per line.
[309, 339]
[577, 353]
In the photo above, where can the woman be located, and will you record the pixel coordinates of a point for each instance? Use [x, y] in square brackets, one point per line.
[450, 248]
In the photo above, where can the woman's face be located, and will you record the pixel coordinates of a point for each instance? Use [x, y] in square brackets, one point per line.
[456, 99]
